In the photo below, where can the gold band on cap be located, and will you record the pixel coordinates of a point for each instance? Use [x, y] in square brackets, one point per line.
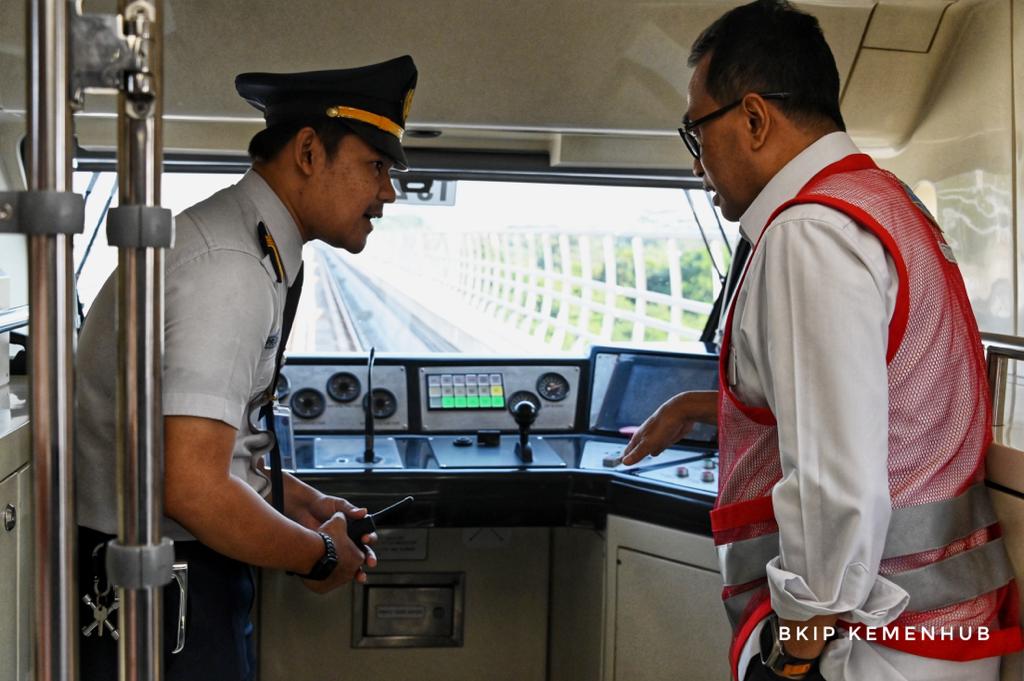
[377, 121]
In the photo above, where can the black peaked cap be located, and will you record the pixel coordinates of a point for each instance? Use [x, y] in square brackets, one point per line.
[374, 100]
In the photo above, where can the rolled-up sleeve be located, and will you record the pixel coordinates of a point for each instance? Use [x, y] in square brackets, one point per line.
[219, 314]
[822, 364]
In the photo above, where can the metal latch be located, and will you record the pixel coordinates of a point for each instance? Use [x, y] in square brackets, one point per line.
[110, 53]
[180, 570]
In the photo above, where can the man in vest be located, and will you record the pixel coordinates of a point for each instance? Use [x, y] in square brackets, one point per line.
[854, 532]
[321, 170]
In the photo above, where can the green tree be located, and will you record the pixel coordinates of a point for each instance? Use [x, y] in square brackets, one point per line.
[695, 267]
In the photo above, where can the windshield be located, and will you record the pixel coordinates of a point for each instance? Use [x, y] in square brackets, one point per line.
[486, 267]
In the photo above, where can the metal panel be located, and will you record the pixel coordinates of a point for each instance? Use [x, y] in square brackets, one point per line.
[449, 454]
[552, 416]
[9, 573]
[347, 416]
[669, 621]
[904, 26]
[412, 610]
[307, 637]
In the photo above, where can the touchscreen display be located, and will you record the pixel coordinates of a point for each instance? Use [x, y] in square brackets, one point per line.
[629, 387]
[451, 391]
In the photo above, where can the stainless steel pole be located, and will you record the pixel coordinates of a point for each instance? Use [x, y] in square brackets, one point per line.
[52, 302]
[140, 345]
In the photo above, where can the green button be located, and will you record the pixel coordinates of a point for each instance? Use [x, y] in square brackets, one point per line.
[447, 402]
[485, 401]
[472, 402]
[497, 402]
[460, 402]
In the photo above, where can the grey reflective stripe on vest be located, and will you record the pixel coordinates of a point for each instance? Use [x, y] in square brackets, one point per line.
[959, 578]
[931, 526]
[735, 605]
[911, 530]
[956, 579]
[744, 561]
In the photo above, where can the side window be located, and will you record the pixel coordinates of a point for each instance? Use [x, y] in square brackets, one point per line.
[95, 259]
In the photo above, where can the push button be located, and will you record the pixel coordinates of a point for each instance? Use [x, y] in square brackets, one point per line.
[611, 460]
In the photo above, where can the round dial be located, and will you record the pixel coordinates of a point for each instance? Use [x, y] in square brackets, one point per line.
[343, 387]
[282, 387]
[308, 403]
[385, 404]
[520, 395]
[553, 387]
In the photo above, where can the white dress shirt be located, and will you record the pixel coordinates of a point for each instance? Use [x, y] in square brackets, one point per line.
[809, 340]
[222, 324]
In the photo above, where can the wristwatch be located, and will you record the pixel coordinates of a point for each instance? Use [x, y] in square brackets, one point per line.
[776, 659]
[325, 566]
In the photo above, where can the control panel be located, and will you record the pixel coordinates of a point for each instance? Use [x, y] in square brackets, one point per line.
[608, 456]
[332, 397]
[687, 468]
[481, 413]
[471, 398]
[701, 474]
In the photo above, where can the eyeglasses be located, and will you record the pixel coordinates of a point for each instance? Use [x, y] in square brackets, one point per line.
[686, 132]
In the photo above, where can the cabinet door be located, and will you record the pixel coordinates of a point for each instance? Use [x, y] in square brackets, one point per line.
[669, 621]
[9, 612]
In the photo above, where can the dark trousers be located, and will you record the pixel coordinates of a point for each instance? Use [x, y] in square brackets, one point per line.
[218, 639]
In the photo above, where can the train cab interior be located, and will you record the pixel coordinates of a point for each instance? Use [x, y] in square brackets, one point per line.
[543, 282]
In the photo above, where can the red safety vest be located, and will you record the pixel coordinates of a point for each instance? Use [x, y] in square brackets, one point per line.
[943, 545]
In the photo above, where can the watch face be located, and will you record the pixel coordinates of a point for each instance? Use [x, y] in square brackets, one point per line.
[774, 657]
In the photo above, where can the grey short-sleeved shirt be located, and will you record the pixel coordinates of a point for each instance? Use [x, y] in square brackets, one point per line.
[223, 313]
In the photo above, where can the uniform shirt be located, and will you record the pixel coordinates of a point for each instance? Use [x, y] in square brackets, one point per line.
[223, 313]
[810, 332]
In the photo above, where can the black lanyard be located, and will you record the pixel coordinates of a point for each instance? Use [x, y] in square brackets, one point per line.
[291, 304]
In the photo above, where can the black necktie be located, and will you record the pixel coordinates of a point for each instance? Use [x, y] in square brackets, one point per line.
[291, 303]
[739, 259]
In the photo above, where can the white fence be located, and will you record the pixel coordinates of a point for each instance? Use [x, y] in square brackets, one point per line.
[542, 288]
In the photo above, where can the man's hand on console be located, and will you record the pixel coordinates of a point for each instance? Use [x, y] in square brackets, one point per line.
[351, 560]
[669, 423]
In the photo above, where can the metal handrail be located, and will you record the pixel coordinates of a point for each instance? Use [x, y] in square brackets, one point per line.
[13, 318]
[998, 353]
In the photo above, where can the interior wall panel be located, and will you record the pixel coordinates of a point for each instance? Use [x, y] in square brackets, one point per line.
[960, 155]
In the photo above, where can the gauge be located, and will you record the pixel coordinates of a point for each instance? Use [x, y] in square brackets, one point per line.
[520, 396]
[343, 386]
[553, 387]
[385, 404]
[282, 388]
[308, 403]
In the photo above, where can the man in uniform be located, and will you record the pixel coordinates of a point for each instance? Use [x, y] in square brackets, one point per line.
[320, 171]
[852, 406]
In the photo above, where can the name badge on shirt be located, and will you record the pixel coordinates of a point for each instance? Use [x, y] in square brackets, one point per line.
[272, 341]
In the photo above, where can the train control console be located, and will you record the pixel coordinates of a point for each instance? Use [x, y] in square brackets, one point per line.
[454, 416]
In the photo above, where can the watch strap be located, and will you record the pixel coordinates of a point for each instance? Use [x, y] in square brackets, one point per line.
[775, 658]
[323, 568]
